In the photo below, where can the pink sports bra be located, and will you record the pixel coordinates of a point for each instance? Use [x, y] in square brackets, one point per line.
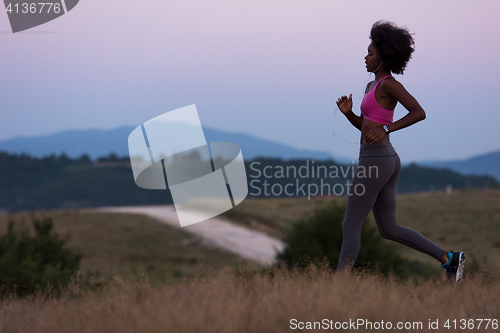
[373, 111]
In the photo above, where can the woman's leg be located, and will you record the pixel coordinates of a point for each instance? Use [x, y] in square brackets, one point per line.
[377, 171]
[384, 211]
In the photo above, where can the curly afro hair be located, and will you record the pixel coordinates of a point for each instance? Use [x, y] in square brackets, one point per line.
[394, 45]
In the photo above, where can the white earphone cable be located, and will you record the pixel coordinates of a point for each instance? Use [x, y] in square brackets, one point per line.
[337, 108]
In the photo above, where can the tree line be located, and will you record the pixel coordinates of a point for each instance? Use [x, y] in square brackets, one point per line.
[28, 182]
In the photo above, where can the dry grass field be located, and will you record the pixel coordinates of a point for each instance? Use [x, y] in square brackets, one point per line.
[153, 278]
[268, 301]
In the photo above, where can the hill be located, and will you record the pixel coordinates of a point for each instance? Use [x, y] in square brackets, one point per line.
[96, 143]
[484, 164]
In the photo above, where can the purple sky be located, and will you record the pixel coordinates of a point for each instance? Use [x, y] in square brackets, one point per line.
[269, 68]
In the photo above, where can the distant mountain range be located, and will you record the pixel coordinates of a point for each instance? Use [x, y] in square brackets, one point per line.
[97, 143]
[485, 164]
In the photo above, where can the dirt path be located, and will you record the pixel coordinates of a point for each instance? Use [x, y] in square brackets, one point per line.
[250, 244]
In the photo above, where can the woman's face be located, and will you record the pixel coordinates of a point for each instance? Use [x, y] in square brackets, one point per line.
[371, 60]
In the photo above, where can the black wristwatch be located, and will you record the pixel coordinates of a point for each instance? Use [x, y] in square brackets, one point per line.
[386, 129]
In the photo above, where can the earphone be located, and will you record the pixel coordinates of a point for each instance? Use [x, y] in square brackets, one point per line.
[377, 68]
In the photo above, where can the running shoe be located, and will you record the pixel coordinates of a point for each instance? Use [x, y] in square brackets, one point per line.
[455, 267]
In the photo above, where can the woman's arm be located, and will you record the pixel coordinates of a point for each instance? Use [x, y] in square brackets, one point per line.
[356, 121]
[415, 112]
[345, 106]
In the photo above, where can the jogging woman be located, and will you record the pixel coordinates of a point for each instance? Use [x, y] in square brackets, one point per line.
[389, 52]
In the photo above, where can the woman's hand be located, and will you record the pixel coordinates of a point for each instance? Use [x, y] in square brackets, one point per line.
[373, 136]
[345, 104]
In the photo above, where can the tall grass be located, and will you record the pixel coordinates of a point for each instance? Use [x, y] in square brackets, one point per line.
[255, 300]
[202, 299]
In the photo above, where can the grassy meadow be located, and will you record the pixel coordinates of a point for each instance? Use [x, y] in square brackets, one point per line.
[467, 221]
[143, 276]
[129, 245]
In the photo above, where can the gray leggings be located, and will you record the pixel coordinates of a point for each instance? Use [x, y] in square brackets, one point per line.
[381, 166]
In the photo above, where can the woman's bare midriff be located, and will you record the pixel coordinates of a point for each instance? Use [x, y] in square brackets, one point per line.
[368, 125]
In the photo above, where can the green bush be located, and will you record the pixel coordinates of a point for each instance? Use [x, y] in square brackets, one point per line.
[30, 262]
[318, 238]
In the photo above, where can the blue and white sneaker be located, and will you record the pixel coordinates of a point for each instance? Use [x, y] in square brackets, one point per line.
[455, 266]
